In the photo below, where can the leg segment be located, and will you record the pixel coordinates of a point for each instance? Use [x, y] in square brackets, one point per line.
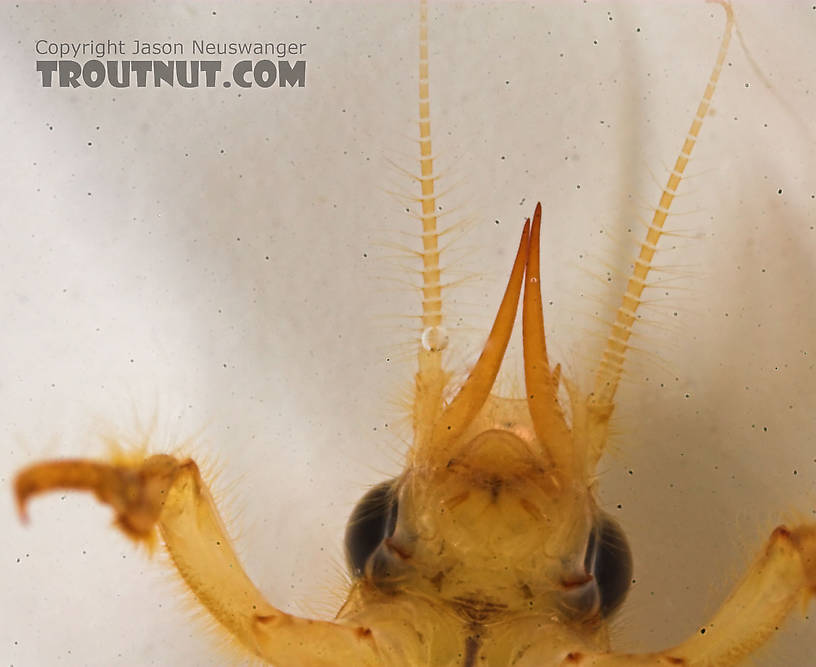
[782, 575]
[170, 494]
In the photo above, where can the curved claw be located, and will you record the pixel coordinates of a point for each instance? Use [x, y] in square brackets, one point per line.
[135, 492]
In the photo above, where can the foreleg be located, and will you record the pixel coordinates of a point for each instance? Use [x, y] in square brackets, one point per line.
[783, 575]
[170, 494]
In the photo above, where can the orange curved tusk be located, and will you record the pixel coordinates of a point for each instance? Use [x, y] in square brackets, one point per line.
[539, 381]
[476, 388]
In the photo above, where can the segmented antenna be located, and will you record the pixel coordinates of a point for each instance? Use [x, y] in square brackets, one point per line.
[611, 365]
[430, 378]
[431, 283]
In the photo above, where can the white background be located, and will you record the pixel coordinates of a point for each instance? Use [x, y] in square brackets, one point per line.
[204, 265]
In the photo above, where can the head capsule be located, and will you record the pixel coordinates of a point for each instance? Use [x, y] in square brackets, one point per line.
[495, 527]
[495, 509]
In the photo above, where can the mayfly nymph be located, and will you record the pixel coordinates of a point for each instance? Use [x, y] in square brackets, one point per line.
[490, 547]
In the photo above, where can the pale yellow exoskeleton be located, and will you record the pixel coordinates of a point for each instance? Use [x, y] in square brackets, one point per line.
[489, 547]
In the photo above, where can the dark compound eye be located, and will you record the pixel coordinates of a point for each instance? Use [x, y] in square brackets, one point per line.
[609, 561]
[372, 521]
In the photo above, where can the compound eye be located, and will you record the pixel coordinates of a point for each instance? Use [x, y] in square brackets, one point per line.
[372, 521]
[609, 561]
